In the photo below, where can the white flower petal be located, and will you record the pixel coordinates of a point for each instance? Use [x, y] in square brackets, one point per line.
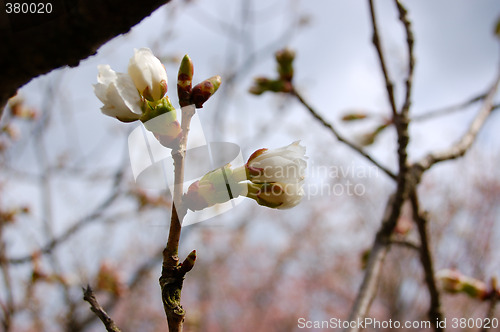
[286, 165]
[128, 93]
[147, 73]
[118, 94]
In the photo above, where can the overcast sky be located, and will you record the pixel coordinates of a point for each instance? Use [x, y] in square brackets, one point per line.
[336, 69]
[336, 65]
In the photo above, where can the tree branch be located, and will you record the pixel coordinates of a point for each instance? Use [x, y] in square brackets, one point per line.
[378, 46]
[72, 31]
[380, 248]
[85, 221]
[461, 147]
[332, 129]
[435, 314]
[403, 17]
[406, 244]
[88, 295]
[382, 241]
[138, 276]
[495, 297]
[448, 110]
[172, 273]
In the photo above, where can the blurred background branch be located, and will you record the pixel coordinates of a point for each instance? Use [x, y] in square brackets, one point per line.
[73, 214]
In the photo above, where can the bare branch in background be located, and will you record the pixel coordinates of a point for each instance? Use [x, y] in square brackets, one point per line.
[447, 110]
[410, 39]
[326, 124]
[368, 288]
[380, 52]
[421, 219]
[495, 297]
[94, 216]
[361, 255]
[88, 295]
[461, 147]
[406, 244]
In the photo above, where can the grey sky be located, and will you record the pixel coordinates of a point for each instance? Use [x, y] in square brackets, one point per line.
[336, 68]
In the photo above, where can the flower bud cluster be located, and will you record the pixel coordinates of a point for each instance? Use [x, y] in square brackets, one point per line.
[283, 83]
[140, 95]
[453, 281]
[198, 94]
[273, 178]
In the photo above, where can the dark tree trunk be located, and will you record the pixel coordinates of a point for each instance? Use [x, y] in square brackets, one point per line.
[35, 44]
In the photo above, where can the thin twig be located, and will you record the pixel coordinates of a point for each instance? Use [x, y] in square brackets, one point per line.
[235, 73]
[403, 17]
[405, 244]
[460, 147]
[332, 129]
[447, 110]
[138, 276]
[435, 314]
[378, 252]
[495, 297]
[88, 295]
[378, 45]
[401, 120]
[394, 205]
[85, 221]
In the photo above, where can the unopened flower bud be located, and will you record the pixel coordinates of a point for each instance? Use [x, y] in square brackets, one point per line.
[215, 187]
[354, 116]
[185, 80]
[450, 280]
[285, 59]
[148, 74]
[455, 282]
[286, 164]
[262, 84]
[276, 195]
[474, 288]
[188, 263]
[203, 91]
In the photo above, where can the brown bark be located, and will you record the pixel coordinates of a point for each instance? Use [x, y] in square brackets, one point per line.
[35, 44]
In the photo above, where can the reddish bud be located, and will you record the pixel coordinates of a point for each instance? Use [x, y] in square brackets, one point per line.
[204, 90]
[185, 80]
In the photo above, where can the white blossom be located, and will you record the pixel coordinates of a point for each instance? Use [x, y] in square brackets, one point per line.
[148, 74]
[118, 94]
[286, 164]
